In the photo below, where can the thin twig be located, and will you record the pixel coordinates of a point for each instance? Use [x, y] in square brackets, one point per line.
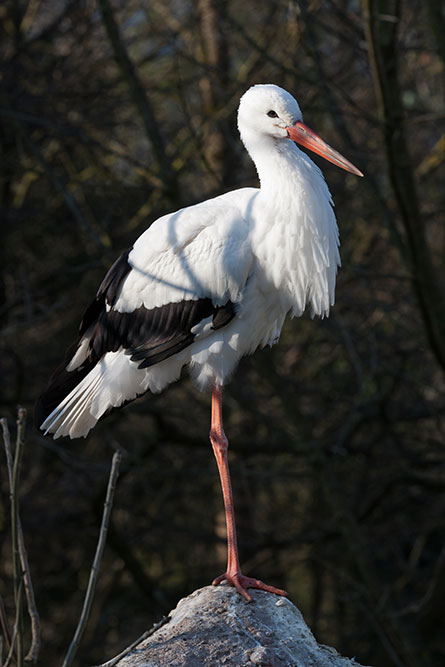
[15, 530]
[14, 637]
[96, 563]
[7, 443]
[14, 475]
[145, 635]
[34, 650]
[5, 626]
[10, 640]
[9, 465]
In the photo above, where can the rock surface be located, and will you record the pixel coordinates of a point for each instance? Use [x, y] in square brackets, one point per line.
[215, 626]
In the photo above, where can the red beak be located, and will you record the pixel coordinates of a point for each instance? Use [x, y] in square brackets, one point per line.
[303, 135]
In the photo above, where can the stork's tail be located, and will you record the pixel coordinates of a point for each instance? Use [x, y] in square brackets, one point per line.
[75, 400]
[72, 416]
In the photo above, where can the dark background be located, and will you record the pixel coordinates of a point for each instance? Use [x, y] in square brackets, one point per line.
[113, 113]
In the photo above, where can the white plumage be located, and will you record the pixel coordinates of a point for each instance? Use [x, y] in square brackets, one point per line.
[249, 257]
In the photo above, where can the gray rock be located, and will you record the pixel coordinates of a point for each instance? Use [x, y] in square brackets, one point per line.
[214, 626]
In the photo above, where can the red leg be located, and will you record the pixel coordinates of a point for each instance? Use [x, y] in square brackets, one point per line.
[233, 575]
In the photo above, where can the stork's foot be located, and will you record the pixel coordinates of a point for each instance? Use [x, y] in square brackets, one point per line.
[241, 584]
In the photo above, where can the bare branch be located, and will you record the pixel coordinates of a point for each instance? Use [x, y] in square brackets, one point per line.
[114, 472]
[381, 36]
[114, 661]
[140, 99]
[5, 627]
[14, 637]
[13, 465]
[34, 650]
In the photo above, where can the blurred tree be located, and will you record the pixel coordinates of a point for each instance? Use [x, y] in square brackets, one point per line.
[113, 113]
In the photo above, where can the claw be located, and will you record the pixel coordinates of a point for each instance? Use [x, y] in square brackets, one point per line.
[241, 583]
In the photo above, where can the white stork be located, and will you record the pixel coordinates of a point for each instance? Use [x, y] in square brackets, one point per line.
[206, 285]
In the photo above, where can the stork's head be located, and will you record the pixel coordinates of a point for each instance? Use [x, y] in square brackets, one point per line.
[269, 112]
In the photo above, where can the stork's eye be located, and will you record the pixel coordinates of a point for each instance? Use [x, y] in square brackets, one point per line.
[272, 114]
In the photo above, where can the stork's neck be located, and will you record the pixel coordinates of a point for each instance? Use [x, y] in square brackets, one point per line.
[295, 236]
[275, 159]
[275, 162]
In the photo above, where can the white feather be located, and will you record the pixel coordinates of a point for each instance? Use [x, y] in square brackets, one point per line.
[199, 251]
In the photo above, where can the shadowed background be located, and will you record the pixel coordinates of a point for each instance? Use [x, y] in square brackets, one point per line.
[113, 113]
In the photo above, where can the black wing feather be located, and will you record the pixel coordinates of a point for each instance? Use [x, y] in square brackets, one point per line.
[148, 335]
[108, 291]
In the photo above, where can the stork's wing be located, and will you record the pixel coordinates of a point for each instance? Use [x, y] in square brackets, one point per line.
[187, 268]
[202, 251]
[182, 279]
